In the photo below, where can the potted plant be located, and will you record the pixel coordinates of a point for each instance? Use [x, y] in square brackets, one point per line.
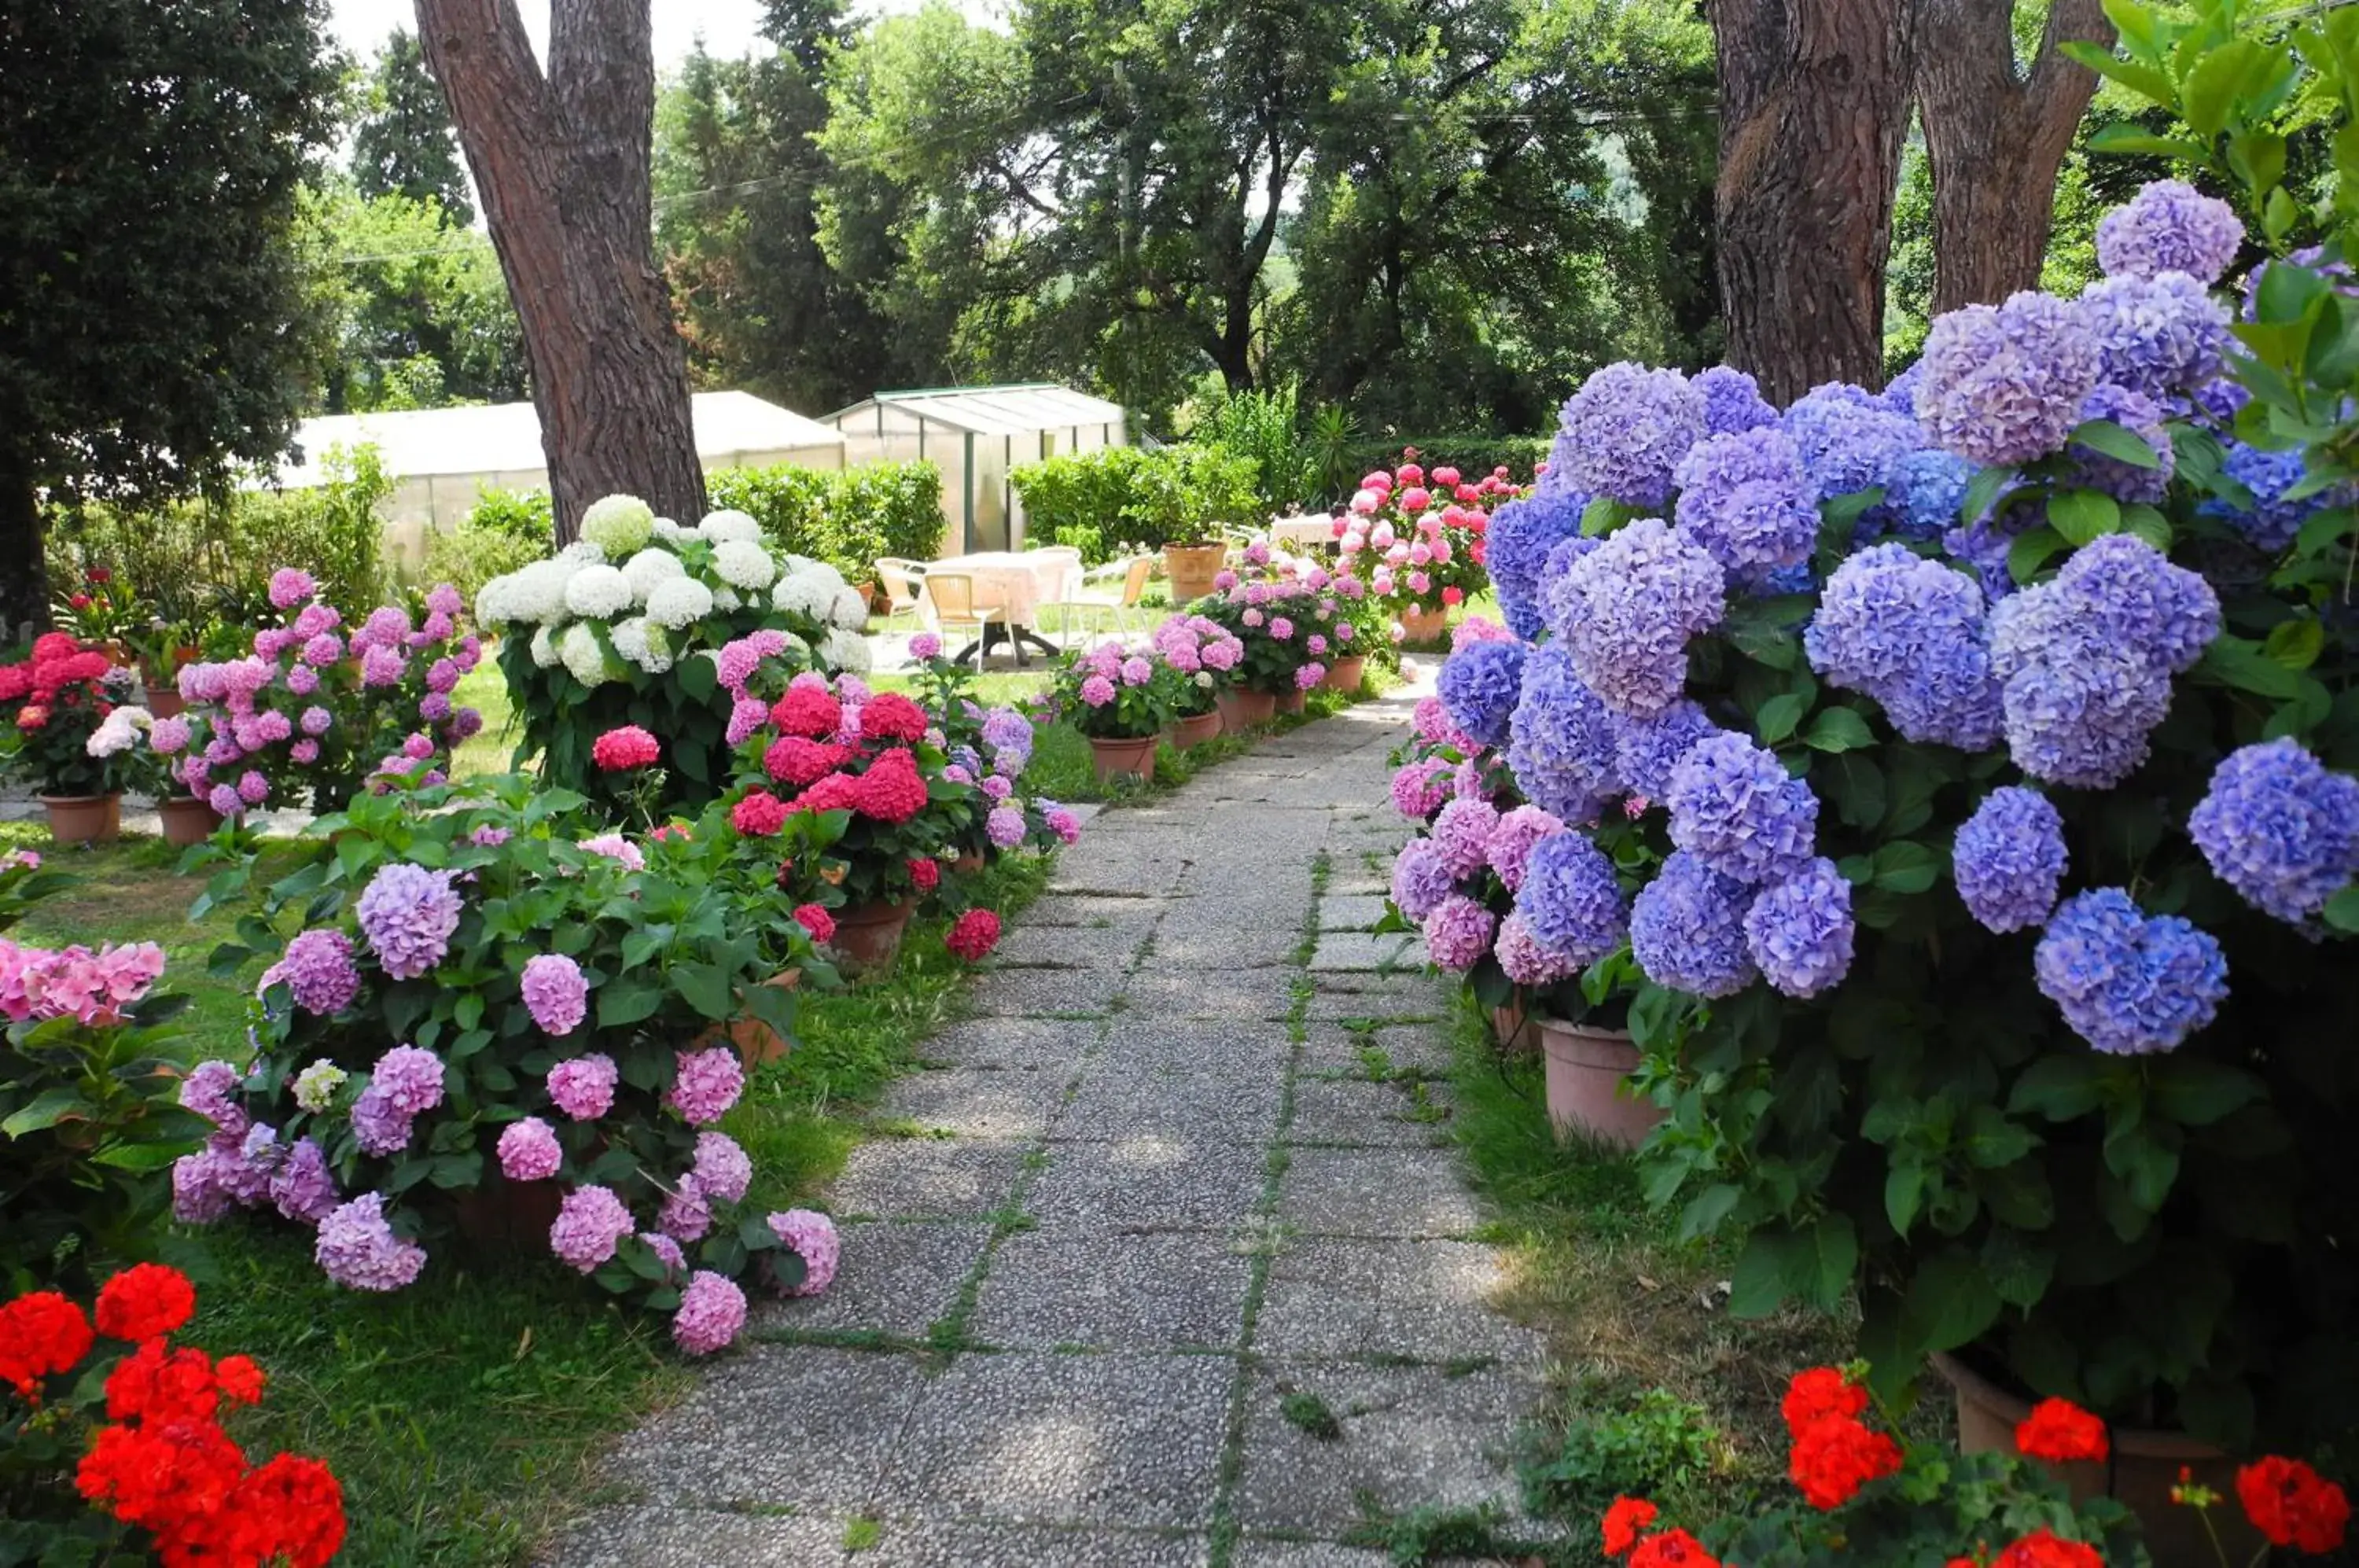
[1203, 655]
[1290, 618]
[163, 648]
[1417, 539]
[180, 744]
[100, 613]
[1120, 696]
[57, 702]
[1191, 562]
[991, 748]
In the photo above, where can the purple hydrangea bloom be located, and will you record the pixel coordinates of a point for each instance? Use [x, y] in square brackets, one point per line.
[687, 1215]
[1928, 487]
[705, 1084]
[318, 971]
[1420, 879]
[1571, 901]
[2273, 521]
[1908, 632]
[711, 1314]
[1798, 931]
[1516, 546]
[2128, 982]
[2010, 859]
[811, 1236]
[1900, 392]
[1458, 932]
[2279, 828]
[1005, 826]
[530, 1151]
[2170, 226]
[1560, 739]
[1747, 499]
[1646, 750]
[2216, 403]
[1625, 430]
[410, 1078]
[583, 1087]
[1462, 834]
[1731, 401]
[556, 992]
[722, 1167]
[1479, 684]
[211, 1090]
[667, 1251]
[1524, 959]
[301, 1187]
[2124, 481]
[1633, 603]
[199, 1196]
[1512, 840]
[2003, 384]
[1736, 810]
[407, 914]
[590, 1223]
[1848, 440]
[1687, 929]
[381, 1127]
[357, 1249]
[1983, 545]
[2161, 336]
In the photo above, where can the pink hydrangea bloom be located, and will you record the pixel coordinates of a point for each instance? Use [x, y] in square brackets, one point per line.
[590, 1223]
[555, 993]
[1458, 932]
[812, 1235]
[614, 847]
[289, 586]
[357, 1248]
[711, 1314]
[583, 1087]
[722, 1167]
[1097, 690]
[529, 1150]
[318, 972]
[707, 1083]
[687, 1212]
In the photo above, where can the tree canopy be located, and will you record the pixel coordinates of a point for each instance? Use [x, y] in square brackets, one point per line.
[403, 142]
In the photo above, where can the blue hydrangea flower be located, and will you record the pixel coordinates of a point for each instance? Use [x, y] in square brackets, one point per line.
[1571, 900]
[1927, 488]
[2003, 384]
[2279, 828]
[2170, 226]
[1624, 432]
[1560, 739]
[2127, 982]
[1910, 633]
[2216, 403]
[1900, 392]
[1799, 932]
[2142, 598]
[2124, 481]
[1848, 440]
[2010, 859]
[1626, 609]
[1735, 808]
[1517, 545]
[1646, 750]
[2161, 336]
[1982, 546]
[2273, 521]
[1746, 498]
[1731, 401]
[1480, 685]
[1687, 929]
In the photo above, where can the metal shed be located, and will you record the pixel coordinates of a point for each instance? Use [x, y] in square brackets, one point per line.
[976, 435]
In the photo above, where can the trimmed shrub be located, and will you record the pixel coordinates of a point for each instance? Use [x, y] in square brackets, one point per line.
[1100, 501]
[508, 530]
[846, 518]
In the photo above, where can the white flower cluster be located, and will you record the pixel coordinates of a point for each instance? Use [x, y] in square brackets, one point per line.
[118, 732]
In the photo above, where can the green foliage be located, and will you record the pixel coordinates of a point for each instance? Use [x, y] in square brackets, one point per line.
[846, 518]
[1131, 495]
[1264, 428]
[1660, 1446]
[1307, 1412]
[508, 530]
[404, 143]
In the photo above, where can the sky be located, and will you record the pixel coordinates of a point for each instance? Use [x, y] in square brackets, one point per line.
[726, 26]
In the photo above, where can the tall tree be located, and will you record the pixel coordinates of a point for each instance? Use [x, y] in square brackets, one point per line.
[404, 144]
[1813, 110]
[153, 323]
[562, 160]
[1997, 133]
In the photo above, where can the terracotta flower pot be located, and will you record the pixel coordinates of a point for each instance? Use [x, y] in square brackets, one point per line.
[1585, 1069]
[187, 819]
[1346, 673]
[1196, 729]
[1191, 568]
[1515, 1028]
[1242, 710]
[868, 936]
[756, 1041]
[1426, 626]
[165, 702]
[1293, 701]
[84, 819]
[970, 863]
[1123, 758]
[2140, 1472]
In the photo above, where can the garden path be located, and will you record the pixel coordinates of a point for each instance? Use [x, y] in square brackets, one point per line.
[1177, 1201]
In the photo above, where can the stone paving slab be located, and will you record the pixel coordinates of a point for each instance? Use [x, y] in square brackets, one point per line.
[1167, 1182]
[1073, 947]
[1176, 994]
[1368, 1114]
[988, 1105]
[1349, 912]
[927, 1544]
[1043, 993]
[1365, 950]
[1117, 1101]
[1169, 1291]
[925, 1179]
[1014, 1044]
[895, 1278]
[1428, 1299]
[1307, 1554]
[1377, 1193]
[1330, 1049]
[694, 1537]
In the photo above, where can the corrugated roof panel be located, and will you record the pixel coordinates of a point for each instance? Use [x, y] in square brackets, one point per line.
[1011, 410]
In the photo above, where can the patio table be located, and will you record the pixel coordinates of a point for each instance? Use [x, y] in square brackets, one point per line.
[1014, 583]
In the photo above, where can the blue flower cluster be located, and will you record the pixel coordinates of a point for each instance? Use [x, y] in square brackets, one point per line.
[1625, 430]
[1798, 931]
[1737, 811]
[2008, 859]
[1900, 392]
[2279, 828]
[1731, 401]
[2125, 482]
[1571, 900]
[2127, 982]
[2170, 226]
[1749, 500]
[2161, 336]
[1646, 750]
[1560, 739]
[1910, 633]
[1687, 929]
[1479, 685]
[1928, 487]
[2004, 383]
[1849, 439]
[1516, 546]
[2273, 521]
[1631, 605]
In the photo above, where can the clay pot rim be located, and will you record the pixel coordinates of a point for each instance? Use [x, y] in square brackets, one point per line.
[2136, 1443]
[81, 799]
[875, 911]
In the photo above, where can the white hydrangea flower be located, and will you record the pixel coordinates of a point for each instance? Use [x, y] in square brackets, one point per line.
[533, 596]
[494, 601]
[584, 659]
[316, 1085]
[803, 594]
[650, 570]
[728, 525]
[850, 610]
[744, 563]
[661, 655]
[848, 652]
[618, 525]
[828, 575]
[666, 529]
[583, 552]
[544, 649]
[598, 593]
[725, 599]
[681, 602]
[630, 639]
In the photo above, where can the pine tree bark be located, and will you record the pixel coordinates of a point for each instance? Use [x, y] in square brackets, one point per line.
[562, 160]
[1813, 111]
[1996, 139]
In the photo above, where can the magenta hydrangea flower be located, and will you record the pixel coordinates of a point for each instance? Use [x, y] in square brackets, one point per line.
[211, 1090]
[529, 1150]
[357, 1248]
[723, 1169]
[687, 1212]
[1525, 960]
[583, 1086]
[1097, 690]
[406, 914]
[555, 993]
[590, 1223]
[318, 971]
[1462, 833]
[811, 1236]
[708, 1082]
[289, 586]
[1420, 788]
[711, 1314]
[1512, 840]
[1458, 932]
[410, 1078]
[665, 1249]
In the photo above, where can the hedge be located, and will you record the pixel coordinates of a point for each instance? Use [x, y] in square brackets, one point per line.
[1103, 501]
[508, 530]
[847, 517]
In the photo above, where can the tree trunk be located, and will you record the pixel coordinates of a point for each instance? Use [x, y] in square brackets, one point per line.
[23, 571]
[1813, 111]
[1996, 140]
[562, 163]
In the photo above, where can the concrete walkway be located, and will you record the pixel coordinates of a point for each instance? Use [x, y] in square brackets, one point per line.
[1177, 1271]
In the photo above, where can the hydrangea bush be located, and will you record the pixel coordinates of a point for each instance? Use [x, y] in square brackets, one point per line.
[1417, 538]
[1116, 690]
[1291, 617]
[992, 748]
[55, 707]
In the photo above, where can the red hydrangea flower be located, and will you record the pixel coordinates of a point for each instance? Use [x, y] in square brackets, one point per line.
[1624, 1520]
[1672, 1548]
[52, 646]
[15, 679]
[1836, 1456]
[973, 935]
[889, 715]
[2043, 1548]
[807, 711]
[144, 1301]
[2293, 1505]
[2060, 1431]
[925, 875]
[836, 792]
[815, 920]
[40, 1334]
[759, 814]
[891, 791]
[797, 760]
[1820, 1392]
[625, 747]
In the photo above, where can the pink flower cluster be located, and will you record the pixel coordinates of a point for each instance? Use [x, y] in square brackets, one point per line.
[1192, 643]
[1416, 543]
[74, 982]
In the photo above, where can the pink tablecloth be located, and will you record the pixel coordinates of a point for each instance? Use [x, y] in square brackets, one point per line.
[1015, 582]
[1303, 533]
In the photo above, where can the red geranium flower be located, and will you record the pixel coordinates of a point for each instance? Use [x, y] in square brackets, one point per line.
[1820, 1391]
[301, 1507]
[973, 935]
[793, 759]
[160, 1386]
[2060, 1431]
[891, 791]
[807, 711]
[759, 814]
[815, 920]
[2043, 1548]
[239, 1380]
[889, 715]
[40, 1334]
[1672, 1548]
[1836, 1456]
[1624, 1520]
[159, 1473]
[2293, 1505]
[625, 747]
[925, 875]
[144, 1301]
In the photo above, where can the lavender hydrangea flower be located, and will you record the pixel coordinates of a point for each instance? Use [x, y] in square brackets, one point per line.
[318, 971]
[705, 1084]
[2159, 336]
[1687, 929]
[1731, 401]
[1462, 834]
[1737, 811]
[687, 1213]
[811, 1236]
[711, 1314]
[1511, 842]
[1646, 750]
[1848, 440]
[1910, 632]
[1526, 961]
[1560, 739]
[2170, 226]
[667, 1252]
[1517, 545]
[583, 1086]
[1458, 932]
[530, 1151]
[2279, 828]
[2010, 859]
[1747, 499]
[1005, 826]
[380, 1128]
[1900, 393]
[723, 1167]
[1571, 901]
[590, 1223]
[410, 1078]
[1420, 879]
[356, 1247]
[556, 992]
[1480, 684]
[2128, 982]
[407, 914]
[2124, 481]
[1798, 931]
[211, 1090]
[1635, 601]
[1625, 430]
[301, 1187]
[2273, 521]
[2003, 384]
